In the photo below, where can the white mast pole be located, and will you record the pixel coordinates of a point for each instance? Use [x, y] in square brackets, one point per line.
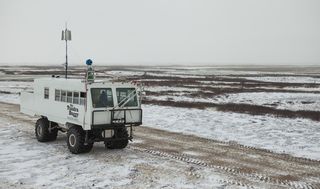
[66, 35]
[66, 31]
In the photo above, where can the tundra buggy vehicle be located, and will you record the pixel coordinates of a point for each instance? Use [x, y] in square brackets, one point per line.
[89, 111]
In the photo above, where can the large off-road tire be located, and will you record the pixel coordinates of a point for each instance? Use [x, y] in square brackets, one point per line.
[76, 141]
[87, 147]
[42, 131]
[119, 144]
[54, 132]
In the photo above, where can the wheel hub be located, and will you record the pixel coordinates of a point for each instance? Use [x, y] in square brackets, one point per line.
[72, 140]
[39, 130]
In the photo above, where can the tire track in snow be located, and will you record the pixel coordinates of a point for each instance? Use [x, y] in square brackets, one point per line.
[257, 177]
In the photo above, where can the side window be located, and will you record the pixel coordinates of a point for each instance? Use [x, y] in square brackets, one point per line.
[69, 96]
[57, 95]
[75, 97]
[102, 97]
[63, 96]
[82, 98]
[46, 93]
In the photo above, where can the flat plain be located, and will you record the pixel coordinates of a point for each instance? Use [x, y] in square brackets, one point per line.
[203, 127]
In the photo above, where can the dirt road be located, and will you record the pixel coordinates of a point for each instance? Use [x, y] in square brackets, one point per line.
[243, 166]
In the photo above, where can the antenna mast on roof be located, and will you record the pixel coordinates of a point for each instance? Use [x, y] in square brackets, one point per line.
[66, 35]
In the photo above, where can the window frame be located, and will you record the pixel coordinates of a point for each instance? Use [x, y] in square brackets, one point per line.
[46, 95]
[75, 97]
[63, 96]
[55, 95]
[68, 97]
[94, 105]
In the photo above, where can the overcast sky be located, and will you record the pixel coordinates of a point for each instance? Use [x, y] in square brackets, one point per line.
[161, 31]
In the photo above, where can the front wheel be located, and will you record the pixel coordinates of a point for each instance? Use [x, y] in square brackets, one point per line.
[120, 139]
[76, 141]
[54, 131]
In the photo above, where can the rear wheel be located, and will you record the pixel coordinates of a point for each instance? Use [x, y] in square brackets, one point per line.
[87, 147]
[42, 130]
[54, 132]
[76, 141]
[121, 139]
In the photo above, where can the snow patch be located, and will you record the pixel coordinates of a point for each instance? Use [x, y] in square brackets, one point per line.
[10, 98]
[26, 163]
[289, 101]
[284, 79]
[298, 137]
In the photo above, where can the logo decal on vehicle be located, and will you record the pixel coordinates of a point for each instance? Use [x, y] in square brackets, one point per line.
[73, 111]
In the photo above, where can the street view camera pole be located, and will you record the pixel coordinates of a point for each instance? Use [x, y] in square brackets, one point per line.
[66, 35]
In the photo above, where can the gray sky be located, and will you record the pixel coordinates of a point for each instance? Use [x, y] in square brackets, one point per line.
[161, 31]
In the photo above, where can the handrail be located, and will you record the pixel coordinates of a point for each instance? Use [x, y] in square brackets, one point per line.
[126, 99]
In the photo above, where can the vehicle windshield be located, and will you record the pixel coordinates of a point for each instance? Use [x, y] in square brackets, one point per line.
[101, 97]
[124, 94]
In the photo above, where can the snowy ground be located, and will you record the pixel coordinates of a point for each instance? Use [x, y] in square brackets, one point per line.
[168, 88]
[123, 73]
[10, 98]
[294, 136]
[14, 87]
[178, 97]
[287, 79]
[299, 137]
[289, 101]
[27, 163]
[216, 70]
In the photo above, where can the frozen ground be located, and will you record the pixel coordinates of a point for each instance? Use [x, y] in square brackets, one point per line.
[294, 136]
[178, 97]
[168, 88]
[10, 98]
[302, 89]
[289, 101]
[26, 163]
[217, 70]
[176, 74]
[9, 90]
[286, 79]
[298, 137]
[165, 160]
[157, 159]
[124, 73]
[14, 86]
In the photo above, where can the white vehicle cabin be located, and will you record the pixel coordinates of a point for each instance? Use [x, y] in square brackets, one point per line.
[88, 111]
